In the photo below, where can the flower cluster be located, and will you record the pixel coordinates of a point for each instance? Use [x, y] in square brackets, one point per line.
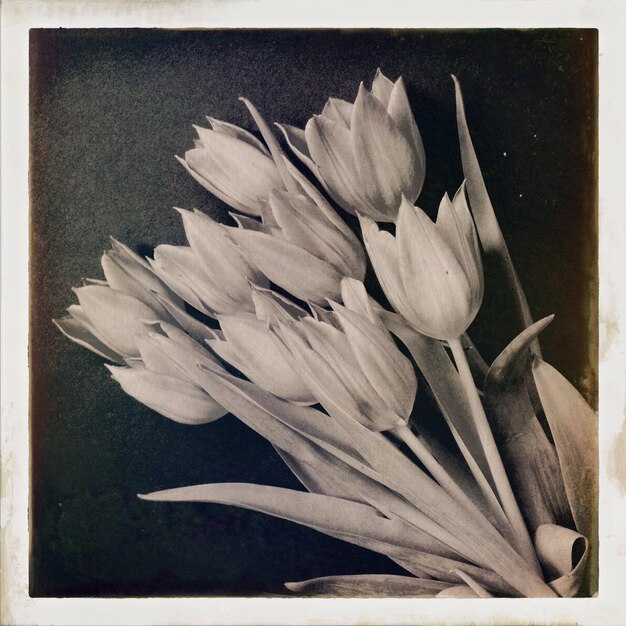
[270, 319]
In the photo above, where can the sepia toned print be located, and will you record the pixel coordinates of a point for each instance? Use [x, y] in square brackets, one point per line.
[335, 319]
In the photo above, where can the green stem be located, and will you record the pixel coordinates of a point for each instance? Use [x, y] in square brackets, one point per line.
[503, 487]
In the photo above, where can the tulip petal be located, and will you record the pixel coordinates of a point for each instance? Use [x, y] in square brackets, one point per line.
[339, 111]
[383, 251]
[356, 298]
[321, 379]
[238, 171]
[184, 353]
[208, 185]
[324, 315]
[296, 140]
[238, 133]
[250, 347]
[155, 359]
[389, 372]
[131, 255]
[224, 264]
[268, 303]
[116, 315]
[304, 225]
[194, 327]
[250, 171]
[172, 397]
[366, 405]
[79, 332]
[454, 224]
[384, 159]
[287, 265]
[382, 88]
[400, 110]
[178, 268]
[136, 280]
[434, 282]
[331, 149]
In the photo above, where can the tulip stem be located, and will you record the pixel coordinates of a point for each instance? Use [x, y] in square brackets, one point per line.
[503, 486]
[437, 471]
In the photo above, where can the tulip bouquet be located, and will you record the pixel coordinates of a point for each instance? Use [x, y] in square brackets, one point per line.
[269, 319]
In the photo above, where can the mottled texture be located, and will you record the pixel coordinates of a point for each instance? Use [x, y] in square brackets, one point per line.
[109, 110]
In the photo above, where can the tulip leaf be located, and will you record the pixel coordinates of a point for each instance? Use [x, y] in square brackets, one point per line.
[368, 585]
[320, 512]
[531, 459]
[573, 425]
[458, 591]
[487, 225]
[434, 511]
[563, 554]
[328, 475]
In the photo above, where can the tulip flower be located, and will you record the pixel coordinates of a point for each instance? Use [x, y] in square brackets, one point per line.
[430, 272]
[162, 378]
[211, 273]
[247, 343]
[111, 313]
[302, 244]
[233, 165]
[353, 368]
[367, 155]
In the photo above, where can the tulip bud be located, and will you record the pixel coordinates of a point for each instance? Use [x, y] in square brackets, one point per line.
[112, 311]
[211, 273]
[164, 377]
[430, 272]
[367, 155]
[233, 165]
[247, 343]
[355, 372]
[302, 245]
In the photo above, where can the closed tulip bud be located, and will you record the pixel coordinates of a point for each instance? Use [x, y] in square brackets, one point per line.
[111, 313]
[247, 343]
[355, 371]
[211, 273]
[431, 272]
[163, 377]
[302, 244]
[368, 154]
[233, 165]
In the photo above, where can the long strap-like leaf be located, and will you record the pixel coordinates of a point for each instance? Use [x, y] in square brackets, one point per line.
[487, 225]
[369, 585]
[470, 533]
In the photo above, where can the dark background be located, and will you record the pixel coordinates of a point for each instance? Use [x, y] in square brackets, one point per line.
[109, 110]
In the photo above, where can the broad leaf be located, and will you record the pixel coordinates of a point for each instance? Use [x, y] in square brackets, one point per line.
[530, 458]
[575, 430]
